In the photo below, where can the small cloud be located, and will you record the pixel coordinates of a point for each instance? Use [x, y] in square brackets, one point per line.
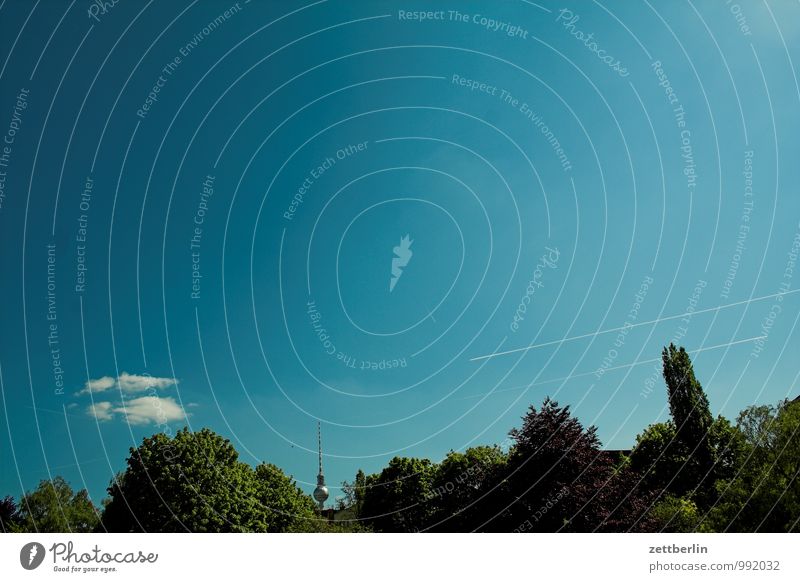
[127, 383]
[152, 409]
[98, 385]
[100, 410]
[138, 411]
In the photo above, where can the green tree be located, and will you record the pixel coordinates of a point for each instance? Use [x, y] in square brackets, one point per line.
[53, 507]
[729, 447]
[354, 493]
[397, 499]
[195, 482]
[691, 416]
[658, 457]
[676, 515]
[663, 462]
[764, 494]
[463, 494]
[285, 503]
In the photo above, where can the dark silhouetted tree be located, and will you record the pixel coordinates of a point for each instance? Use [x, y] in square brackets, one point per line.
[691, 416]
[8, 514]
[560, 480]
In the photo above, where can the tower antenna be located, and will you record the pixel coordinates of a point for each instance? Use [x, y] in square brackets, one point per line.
[321, 492]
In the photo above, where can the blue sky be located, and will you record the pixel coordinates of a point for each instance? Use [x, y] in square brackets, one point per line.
[561, 170]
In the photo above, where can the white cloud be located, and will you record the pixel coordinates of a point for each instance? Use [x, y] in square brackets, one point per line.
[127, 383]
[152, 409]
[141, 410]
[100, 410]
[98, 385]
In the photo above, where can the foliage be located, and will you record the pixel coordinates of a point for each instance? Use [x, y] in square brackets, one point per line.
[354, 493]
[729, 446]
[285, 503]
[764, 494]
[397, 499]
[691, 473]
[675, 515]
[658, 457]
[8, 514]
[54, 507]
[463, 493]
[555, 458]
[691, 416]
[195, 482]
[322, 525]
[664, 464]
[686, 456]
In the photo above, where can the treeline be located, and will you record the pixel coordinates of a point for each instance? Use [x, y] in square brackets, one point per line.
[193, 482]
[691, 473]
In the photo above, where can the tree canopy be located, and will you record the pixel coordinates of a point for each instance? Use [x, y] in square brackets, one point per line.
[764, 492]
[54, 507]
[195, 482]
[397, 499]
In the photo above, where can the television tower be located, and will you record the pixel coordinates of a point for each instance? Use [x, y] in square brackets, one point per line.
[321, 492]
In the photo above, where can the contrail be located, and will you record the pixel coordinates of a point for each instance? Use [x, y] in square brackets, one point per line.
[509, 389]
[659, 320]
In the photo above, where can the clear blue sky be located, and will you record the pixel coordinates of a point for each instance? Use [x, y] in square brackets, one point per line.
[639, 149]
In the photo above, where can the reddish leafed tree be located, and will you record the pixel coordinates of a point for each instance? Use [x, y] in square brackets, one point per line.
[559, 479]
